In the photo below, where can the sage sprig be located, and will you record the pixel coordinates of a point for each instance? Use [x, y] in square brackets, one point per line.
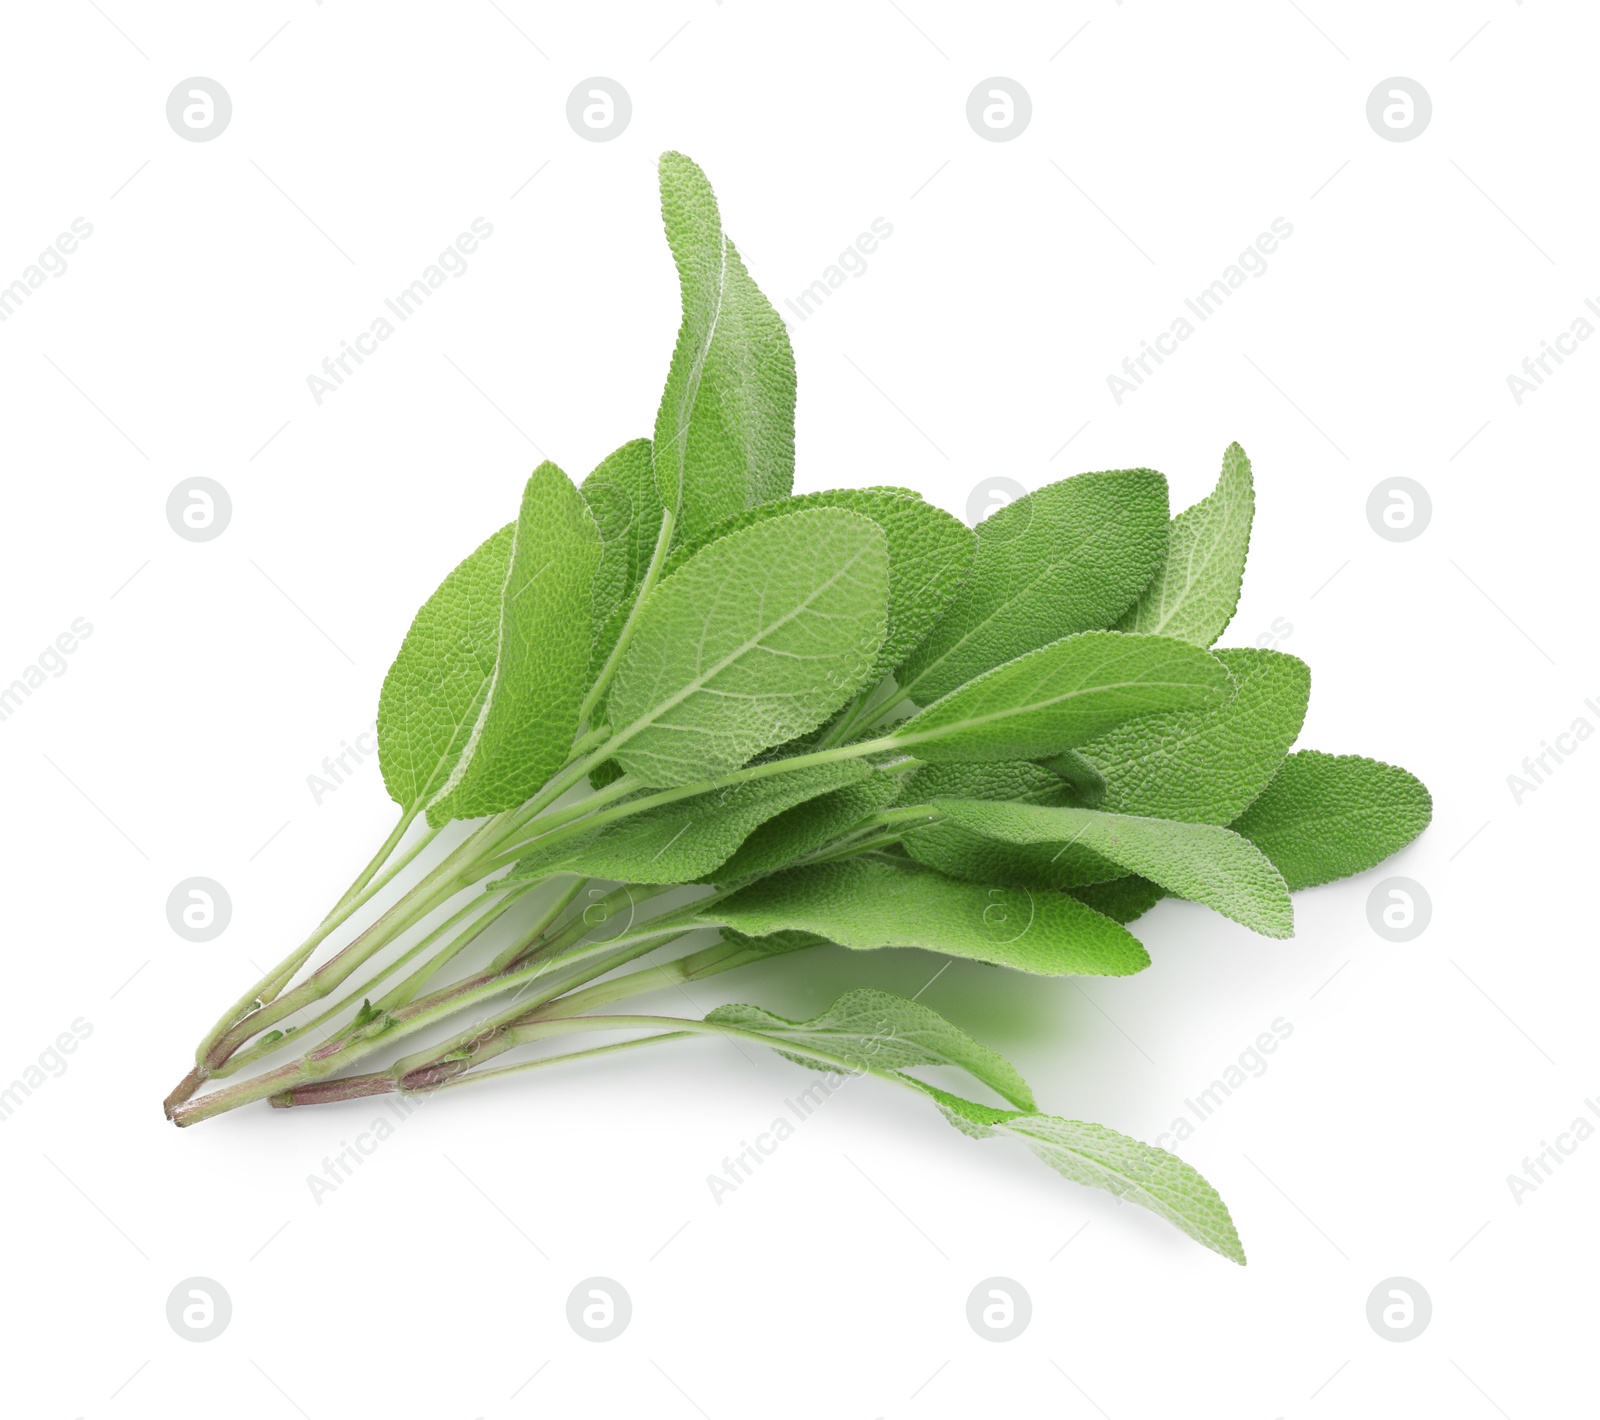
[678, 712]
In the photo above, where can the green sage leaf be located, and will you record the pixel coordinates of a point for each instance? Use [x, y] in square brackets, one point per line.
[1201, 862]
[960, 852]
[434, 689]
[868, 903]
[724, 435]
[930, 553]
[1015, 780]
[757, 638]
[1205, 766]
[1063, 694]
[1098, 1157]
[1196, 590]
[684, 841]
[1069, 557]
[1328, 816]
[810, 826]
[528, 714]
[878, 1031]
[1122, 899]
[621, 493]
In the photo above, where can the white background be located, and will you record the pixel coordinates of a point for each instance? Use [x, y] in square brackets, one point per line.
[1164, 138]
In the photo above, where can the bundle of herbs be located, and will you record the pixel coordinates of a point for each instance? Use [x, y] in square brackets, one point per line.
[679, 712]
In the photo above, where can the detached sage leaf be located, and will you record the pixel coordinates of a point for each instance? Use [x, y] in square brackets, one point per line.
[867, 903]
[1059, 696]
[757, 638]
[432, 694]
[1328, 816]
[1196, 592]
[874, 1030]
[529, 712]
[724, 435]
[1067, 558]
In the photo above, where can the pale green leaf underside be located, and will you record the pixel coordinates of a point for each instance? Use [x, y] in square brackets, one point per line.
[684, 841]
[529, 711]
[724, 433]
[432, 692]
[868, 903]
[930, 553]
[1201, 862]
[756, 639]
[1327, 816]
[1060, 695]
[874, 1030]
[1069, 557]
[1098, 1157]
[1196, 590]
[1205, 766]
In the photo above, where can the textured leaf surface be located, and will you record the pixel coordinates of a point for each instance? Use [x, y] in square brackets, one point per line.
[874, 1030]
[773, 944]
[1020, 780]
[1201, 862]
[961, 853]
[1088, 786]
[1070, 557]
[1207, 765]
[1122, 899]
[1196, 590]
[965, 855]
[724, 435]
[930, 553]
[621, 494]
[684, 841]
[810, 825]
[432, 692]
[529, 714]
[867, 903]
[758, 638]
[1327, 816]
[1059, 696]
[1098, 1157]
